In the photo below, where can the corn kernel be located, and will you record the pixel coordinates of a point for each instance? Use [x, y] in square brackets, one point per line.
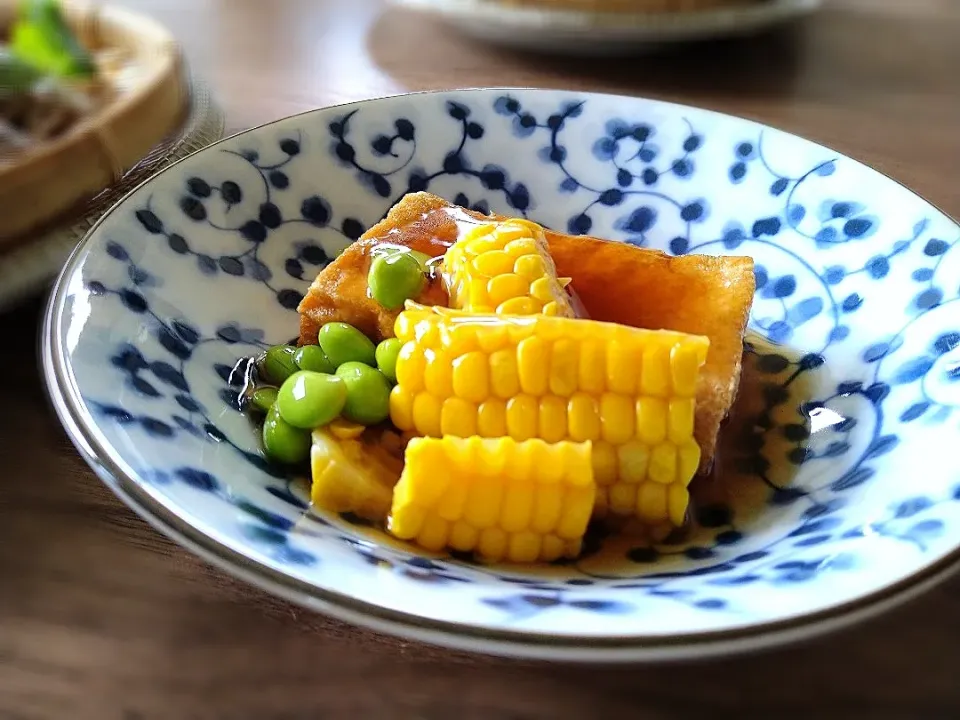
[551, 548]
[427, 410]
[471, 377]
[517, 506]
[616, 418]
[524, 461]
[401, 407]
[681, 415]
[547, 508]
[605, 463]
[678, 499]
[458, 417]
[345, 430]
[575, 469]
[433, 536]
[459, 339]
[651, 420]
[477, 232]
[506, 287]
[426, 335]
[493, 339]
[492, 419]
[583, 417]
[484, 500]
[463, 536]
[576, 512]
[633, 458]
[548, 464]
[530, 267]
[454, 500]
[542, 289]
[511, 230]
[621, 367]
[564, 367]
[438, 374]
[493, 263]
[663, 464]
[688, 461]
[504, 374]
[518, 306]
[410, 367]
[524, 547]
[522, 415]
[476, 294]
[403, 328]
[492, 544]
[481, 246]
[553, 419]
[623, 499]
[685, 365]
[652, 502]
[592, 375]
[655, 376]
[406, 521]
[521, 246]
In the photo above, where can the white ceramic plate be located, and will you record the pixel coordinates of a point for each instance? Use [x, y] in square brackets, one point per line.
[585, 33]
[840, 495]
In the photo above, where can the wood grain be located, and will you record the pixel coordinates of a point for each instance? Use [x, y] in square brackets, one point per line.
[102, 618]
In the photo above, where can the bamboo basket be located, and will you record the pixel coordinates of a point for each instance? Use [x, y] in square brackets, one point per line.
[42, 187]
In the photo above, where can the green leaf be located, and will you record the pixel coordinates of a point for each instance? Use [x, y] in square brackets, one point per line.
[16, 76]
[42, 38]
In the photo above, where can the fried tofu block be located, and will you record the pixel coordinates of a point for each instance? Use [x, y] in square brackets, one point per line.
[339, 293]
[616, 282]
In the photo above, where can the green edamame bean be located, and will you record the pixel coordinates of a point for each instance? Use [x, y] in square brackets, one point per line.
[263, 399]
[309, 400]
[387, 353]
[314, 359]
[395, 278]
[283, 442]
[421, 258]
[368, 394]
[278, 364]
[343, 343]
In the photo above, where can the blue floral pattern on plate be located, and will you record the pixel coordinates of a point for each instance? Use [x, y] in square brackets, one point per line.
[838, 475]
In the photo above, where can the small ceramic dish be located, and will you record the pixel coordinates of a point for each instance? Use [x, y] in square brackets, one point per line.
[531, 25]
[836, 495]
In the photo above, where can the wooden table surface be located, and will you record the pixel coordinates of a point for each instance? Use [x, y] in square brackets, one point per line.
[100, 617]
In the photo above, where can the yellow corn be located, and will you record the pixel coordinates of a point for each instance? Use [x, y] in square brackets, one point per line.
[501, 499]
[504, 268]
[355, 471]
[630, 392]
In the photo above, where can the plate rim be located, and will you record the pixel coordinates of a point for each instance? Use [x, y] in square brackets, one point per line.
[63, 396]
[624, 26]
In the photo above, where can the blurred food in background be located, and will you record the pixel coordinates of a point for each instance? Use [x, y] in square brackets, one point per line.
[631, 6]
[608, 27]
[85, 93]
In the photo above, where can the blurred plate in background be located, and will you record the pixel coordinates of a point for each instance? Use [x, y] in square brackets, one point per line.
[572, 32]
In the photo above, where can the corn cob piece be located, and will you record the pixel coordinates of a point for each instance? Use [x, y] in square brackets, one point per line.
[502, 499]
[504, 268]
[631, 392]
[355, 469]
